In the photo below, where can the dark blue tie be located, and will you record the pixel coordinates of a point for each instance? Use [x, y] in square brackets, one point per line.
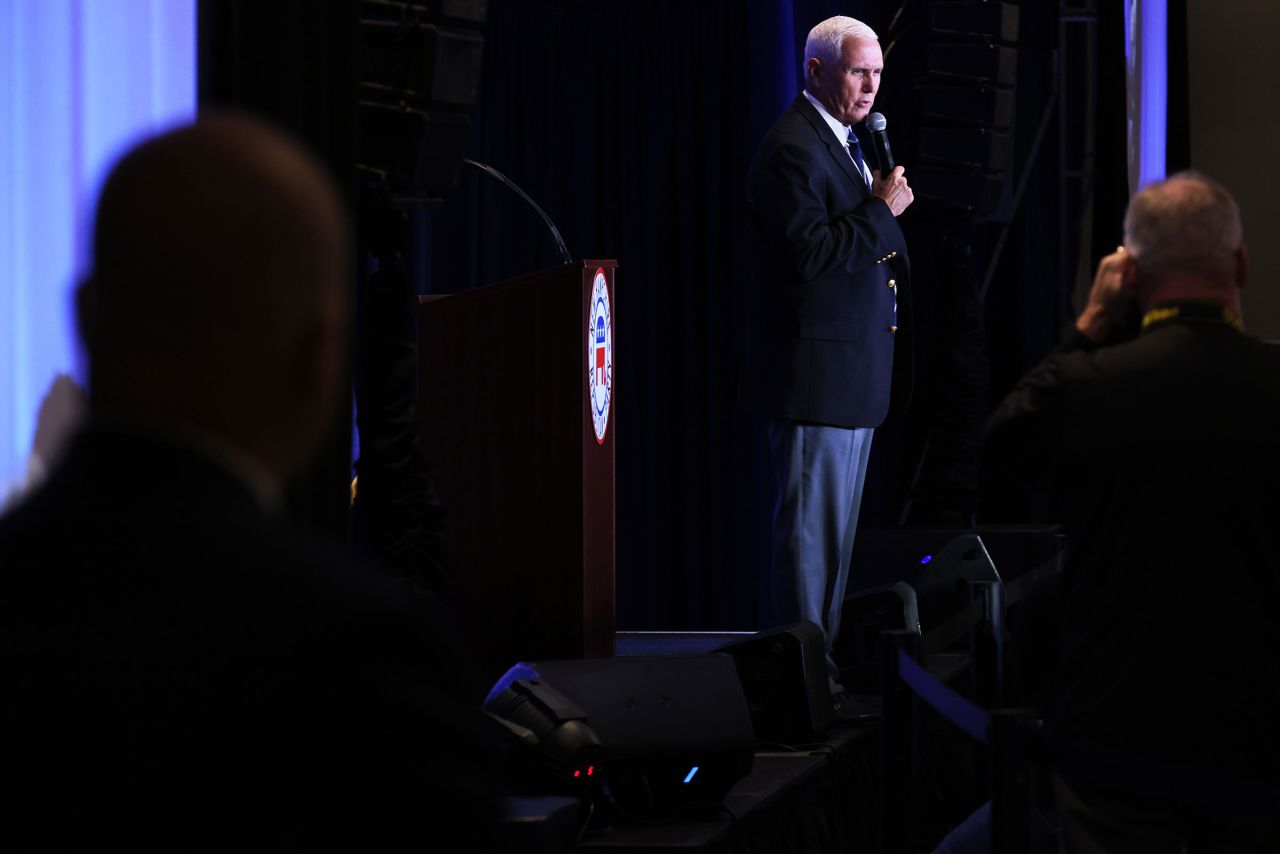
[856, 150]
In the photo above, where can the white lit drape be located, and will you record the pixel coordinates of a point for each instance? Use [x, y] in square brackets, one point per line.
[80, 80]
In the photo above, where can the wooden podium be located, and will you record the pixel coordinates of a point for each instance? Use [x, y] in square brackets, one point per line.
[515, 396]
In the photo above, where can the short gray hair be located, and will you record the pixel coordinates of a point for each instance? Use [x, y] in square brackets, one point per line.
[826, 40]
[1186, 223]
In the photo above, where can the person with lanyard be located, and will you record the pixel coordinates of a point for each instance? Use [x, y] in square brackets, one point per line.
[1162, 452]
[829, 257]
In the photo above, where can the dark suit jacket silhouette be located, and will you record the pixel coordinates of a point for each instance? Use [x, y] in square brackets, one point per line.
[821, 337]
[1165, 454]
[180, 668]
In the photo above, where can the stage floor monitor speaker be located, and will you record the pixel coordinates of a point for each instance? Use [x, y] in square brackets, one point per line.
[675, 731]
[941, 579]
[916, 578]
[918, 581]
[887, 555]
[864, 615]
[784, 677]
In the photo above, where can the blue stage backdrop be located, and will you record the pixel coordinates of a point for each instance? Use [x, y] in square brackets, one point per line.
[80, 80]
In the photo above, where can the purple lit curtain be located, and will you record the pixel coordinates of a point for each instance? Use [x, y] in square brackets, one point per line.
[80, 81]
[1146, 24]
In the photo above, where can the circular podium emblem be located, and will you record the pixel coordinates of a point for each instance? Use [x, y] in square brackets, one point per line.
[600, 355]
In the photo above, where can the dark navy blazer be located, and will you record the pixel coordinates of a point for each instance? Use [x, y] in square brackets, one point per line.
[829, 259]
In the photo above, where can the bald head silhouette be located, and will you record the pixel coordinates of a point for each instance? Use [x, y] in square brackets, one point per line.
[1185, 241]
[217, 303]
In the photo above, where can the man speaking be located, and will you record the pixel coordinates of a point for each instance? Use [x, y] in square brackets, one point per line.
[829, 258]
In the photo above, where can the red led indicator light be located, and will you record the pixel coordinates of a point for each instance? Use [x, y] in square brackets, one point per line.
[590, 770]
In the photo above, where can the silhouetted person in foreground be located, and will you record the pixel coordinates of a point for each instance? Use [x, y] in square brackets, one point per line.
[179, 668]
[1164, 451]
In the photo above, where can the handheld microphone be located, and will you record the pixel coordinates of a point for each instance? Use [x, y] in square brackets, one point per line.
[880, 142]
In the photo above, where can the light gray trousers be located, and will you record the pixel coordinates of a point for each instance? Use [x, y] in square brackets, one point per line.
[820, 472]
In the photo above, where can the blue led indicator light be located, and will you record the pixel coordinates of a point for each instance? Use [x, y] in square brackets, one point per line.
[925, 559]
[692, 771]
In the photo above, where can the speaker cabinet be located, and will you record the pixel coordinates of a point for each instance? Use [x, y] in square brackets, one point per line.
[980, 106]
[983, 62]
[920, 579]
[966, 189]
[432, 64]
[784, 678]
[983, 19]
[675, 731]
[394, 139]
[941, 579]
[864, 615]
[419, 79]
[966, 148]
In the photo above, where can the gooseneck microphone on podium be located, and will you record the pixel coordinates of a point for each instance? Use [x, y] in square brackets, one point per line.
[551, 226]
[880, 142]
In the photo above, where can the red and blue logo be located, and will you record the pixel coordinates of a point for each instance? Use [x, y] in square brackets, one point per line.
[600, 355]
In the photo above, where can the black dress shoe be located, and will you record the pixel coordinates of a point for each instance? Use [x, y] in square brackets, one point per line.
[855, 708]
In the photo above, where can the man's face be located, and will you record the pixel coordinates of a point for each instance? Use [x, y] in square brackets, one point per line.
[847, 87]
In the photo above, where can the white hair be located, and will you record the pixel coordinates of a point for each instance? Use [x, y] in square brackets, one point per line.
[826, 40]
[1186, 223]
